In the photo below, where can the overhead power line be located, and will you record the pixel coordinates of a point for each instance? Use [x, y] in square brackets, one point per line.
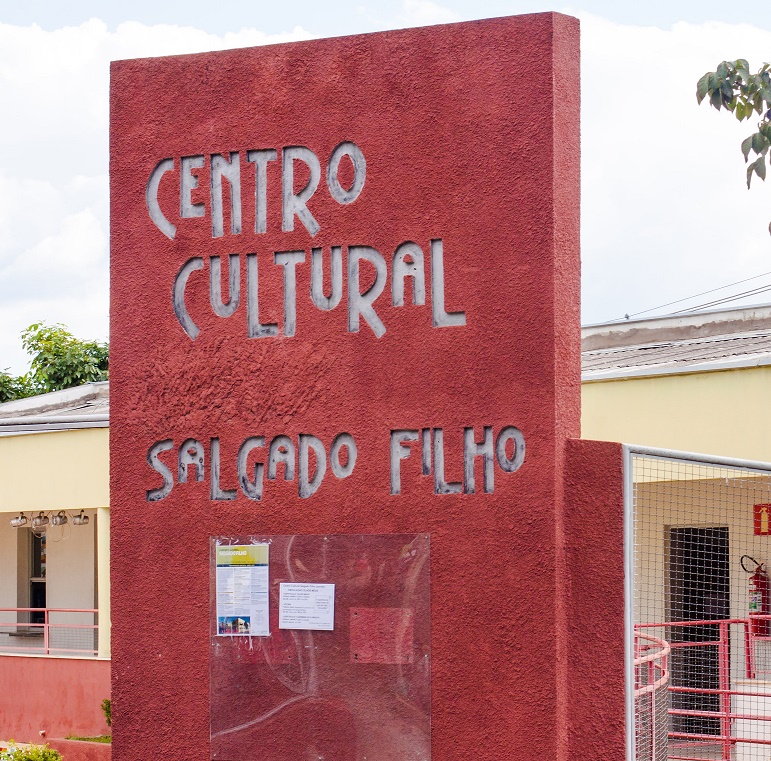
[703, 293]
[727, 299]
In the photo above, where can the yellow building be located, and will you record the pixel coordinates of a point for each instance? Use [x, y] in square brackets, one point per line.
[54, 564]
[697, 383]
[698, 532]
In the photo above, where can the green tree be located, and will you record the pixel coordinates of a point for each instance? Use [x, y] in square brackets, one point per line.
[733, 87]
[12, 387]
[58, 361]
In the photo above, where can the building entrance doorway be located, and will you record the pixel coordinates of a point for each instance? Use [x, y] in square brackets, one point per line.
[37, 581]
[698, 591]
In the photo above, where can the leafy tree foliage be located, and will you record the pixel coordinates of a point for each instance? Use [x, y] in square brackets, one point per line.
[59, 361]
[733, 87]
[12, 387]
[30, 753]
[107, 710]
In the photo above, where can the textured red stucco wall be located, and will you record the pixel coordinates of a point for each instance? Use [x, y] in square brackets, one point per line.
[590, 597]
[470, 134]
[59, 696]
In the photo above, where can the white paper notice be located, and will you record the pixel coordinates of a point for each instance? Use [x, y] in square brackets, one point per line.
[242, 590]
[306, 606]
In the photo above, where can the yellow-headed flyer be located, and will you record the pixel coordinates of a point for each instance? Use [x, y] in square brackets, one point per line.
[242, 590]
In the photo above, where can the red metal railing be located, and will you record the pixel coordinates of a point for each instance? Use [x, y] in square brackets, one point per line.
[650, 696]
[726, 718]
[39, 633]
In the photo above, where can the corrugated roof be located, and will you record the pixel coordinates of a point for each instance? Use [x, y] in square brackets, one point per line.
[86, 406]
[699, 354]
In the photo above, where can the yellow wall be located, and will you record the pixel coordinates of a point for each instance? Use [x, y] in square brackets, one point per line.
[62, 470]
[725, 413]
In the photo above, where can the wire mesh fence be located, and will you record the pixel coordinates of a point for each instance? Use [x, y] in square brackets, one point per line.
[702, 612]
[49, 631]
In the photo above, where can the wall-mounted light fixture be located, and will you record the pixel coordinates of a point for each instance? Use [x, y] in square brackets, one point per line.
[59, 519]
[40, 521]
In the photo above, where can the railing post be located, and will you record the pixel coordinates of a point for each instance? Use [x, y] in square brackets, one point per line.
[749, 653]
[652, 703]
[45, 632]
[667, 696]
[724, 670]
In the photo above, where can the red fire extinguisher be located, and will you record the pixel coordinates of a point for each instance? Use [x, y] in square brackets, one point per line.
[758, 598]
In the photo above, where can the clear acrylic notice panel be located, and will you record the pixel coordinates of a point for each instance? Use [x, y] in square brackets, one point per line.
[320, 648]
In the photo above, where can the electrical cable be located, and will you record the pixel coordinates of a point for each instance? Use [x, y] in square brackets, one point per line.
[727, 299]
[688, 298]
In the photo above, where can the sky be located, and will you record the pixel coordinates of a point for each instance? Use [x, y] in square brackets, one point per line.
[666, 213]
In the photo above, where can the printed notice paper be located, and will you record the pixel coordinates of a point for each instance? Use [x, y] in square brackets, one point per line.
[306, 606]
[242, 590]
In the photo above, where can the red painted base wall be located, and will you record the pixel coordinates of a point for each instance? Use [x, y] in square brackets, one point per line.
[60, 696]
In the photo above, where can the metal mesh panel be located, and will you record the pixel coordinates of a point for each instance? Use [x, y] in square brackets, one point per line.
[702, 651]
[54, 632]
[73, 640]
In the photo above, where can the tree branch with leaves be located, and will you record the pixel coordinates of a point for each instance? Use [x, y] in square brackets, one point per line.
[59, 361]
[733, 87]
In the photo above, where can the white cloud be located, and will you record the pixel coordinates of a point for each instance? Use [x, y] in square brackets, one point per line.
[424, 13]
[666, 211]
[81, 236]
[53, 167]
[410, 13]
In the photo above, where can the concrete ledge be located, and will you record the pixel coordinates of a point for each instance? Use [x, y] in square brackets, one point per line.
[78, 750]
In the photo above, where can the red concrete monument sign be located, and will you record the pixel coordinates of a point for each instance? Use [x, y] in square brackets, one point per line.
[344, 385]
